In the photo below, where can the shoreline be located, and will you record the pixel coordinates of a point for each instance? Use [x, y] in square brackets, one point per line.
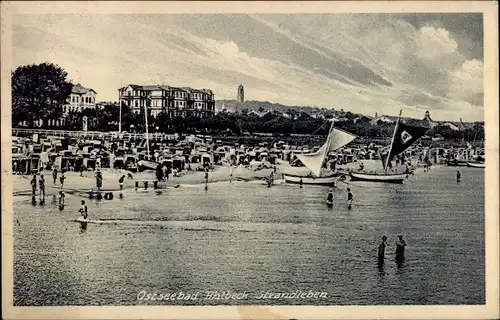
[76, 185]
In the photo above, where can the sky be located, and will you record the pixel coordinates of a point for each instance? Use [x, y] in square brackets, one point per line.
[364, 63]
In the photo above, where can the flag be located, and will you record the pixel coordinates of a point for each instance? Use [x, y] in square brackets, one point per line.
[404, 137]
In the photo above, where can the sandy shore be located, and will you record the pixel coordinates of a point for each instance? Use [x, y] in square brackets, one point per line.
[74, 182]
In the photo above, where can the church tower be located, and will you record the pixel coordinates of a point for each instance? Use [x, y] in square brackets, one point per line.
[241, 94]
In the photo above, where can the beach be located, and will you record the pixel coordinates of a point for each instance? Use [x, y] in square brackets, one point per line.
[75, 182]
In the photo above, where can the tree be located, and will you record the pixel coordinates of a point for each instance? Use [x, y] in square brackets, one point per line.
[39, 92]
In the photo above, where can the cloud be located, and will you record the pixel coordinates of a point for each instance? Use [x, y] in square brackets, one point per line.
[435, 43]
[467, 82]
[360, 62]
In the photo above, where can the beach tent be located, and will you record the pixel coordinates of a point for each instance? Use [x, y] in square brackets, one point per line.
[207, 159]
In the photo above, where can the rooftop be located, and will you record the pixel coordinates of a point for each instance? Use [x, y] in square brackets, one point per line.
[79, 89]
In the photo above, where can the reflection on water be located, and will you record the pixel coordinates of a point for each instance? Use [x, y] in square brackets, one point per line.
[245, 237]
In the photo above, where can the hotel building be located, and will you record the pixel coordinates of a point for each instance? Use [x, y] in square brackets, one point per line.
[80, 98]
[173, 101]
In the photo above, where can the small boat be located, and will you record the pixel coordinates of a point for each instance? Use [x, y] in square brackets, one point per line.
[314, 161]
[310, 179]
[378, 177]
[403, 137]
[476, 164]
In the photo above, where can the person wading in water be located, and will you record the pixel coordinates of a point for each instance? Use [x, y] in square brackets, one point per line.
[42, 188]
[61, 200]
[83, 210]
[350, 198]
[400, 248]
[381, 251]
[329, 197]
[54, 175]
[61, 179]
[120, 181]
[98, 180]
[33, 185]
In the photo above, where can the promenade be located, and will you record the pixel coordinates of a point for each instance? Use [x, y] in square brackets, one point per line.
[92, 134]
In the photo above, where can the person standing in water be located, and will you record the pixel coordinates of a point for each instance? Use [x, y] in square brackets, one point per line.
[61, 200]
[350, 198]
[33, 185]
[329, 197]
[98, 179]
[42, 187]
[400, 248]
[381, 251]
[54, 174]
[61, 179]
[458, 176]
[83, 210]
[120, 181]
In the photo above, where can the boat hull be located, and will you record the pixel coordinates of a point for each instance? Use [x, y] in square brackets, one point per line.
[456, 163]
[386, 178]
[147, 165]
[322, 181]
[475, 164]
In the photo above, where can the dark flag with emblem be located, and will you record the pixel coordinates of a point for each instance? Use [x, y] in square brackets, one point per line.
[404, 137]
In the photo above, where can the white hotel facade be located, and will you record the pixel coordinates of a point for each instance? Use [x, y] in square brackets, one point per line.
[173, 101]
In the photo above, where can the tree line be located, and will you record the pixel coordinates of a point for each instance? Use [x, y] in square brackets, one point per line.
[41, 91]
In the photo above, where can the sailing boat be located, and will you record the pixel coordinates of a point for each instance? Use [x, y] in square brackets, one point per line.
[147, 164]
[474, 163]
[403, 137]
[336, 139]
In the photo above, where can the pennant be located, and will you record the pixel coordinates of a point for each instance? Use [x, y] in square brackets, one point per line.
[404, 137]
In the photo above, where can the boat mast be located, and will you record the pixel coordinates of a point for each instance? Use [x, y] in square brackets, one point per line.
[120, 118]
[392, 142]
[147, 130]
[327, 148]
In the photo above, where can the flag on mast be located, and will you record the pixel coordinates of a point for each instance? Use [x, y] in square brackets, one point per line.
[404, 137]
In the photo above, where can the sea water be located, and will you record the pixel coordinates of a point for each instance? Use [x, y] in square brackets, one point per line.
[245, 238]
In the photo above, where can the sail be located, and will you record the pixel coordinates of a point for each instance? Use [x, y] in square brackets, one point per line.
[336, 139]
[404, 136]
[313, 161]
[339, 138]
